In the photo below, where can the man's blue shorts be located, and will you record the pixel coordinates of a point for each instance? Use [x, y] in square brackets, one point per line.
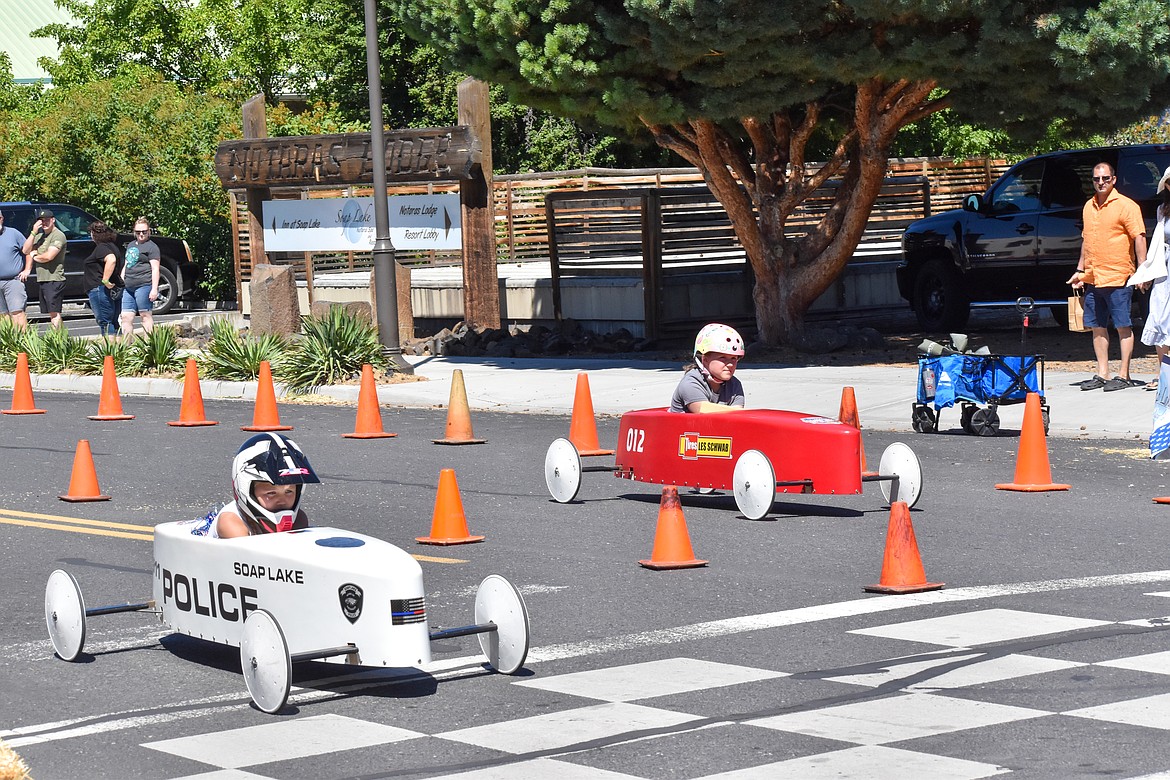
[1105, 303]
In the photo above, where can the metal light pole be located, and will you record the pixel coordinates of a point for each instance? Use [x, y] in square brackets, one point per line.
[385, 282]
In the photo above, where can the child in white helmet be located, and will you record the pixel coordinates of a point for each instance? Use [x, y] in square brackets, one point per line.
[268, 478]
[710, 385]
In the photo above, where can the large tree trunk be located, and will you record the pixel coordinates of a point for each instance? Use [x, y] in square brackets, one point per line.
[762, 179]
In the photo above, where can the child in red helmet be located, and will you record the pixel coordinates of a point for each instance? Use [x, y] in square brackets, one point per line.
[710, 385]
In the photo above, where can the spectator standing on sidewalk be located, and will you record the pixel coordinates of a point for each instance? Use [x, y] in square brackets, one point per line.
[143, 260]
[1157, 330]
[1113, 236]
[15, 268]
[45, 249]
[103, 278]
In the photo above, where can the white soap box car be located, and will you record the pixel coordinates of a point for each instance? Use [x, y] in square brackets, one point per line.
[311, 594]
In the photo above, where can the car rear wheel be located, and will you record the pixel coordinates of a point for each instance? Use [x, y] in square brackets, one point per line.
[939, 302]
[168, 291]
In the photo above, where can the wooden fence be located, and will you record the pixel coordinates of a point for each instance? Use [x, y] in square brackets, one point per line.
[522, 225]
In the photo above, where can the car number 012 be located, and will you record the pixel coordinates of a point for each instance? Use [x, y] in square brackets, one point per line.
[635, 440]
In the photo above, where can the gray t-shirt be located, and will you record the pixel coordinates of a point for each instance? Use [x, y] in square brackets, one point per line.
[693, 387]
[138, 257]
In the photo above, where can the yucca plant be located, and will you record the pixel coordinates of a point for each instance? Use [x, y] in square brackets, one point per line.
[332, 348]
[11, 343]
[156, 352]
[55, 352]
[95, 356]
[237, 358]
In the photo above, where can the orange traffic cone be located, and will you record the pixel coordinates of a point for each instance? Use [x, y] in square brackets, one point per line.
[83, 484]
[848, 416]
[583, 428]
[1162, 500]
[458, 415]
[191, 412]
[22, 396]
[265, 417]
[902, 570]
[448, 524]
[110, 403]
[1033, 471]
[672, 543]
[369, 418]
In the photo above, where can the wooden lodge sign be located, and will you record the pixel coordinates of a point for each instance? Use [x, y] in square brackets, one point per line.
[420, 154]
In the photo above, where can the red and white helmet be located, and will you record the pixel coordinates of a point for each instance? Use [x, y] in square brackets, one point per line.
[718, 338]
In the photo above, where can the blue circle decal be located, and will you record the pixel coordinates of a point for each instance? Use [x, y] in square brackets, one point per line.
[340, 541]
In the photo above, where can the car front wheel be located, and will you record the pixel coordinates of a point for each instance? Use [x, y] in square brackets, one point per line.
[939, 302]
[168, 291]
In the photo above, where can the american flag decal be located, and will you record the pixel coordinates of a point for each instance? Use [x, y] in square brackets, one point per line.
[403, 611]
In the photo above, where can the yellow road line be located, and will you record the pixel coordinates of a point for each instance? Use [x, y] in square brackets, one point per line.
[76, 530]
[145, 532]
[148, 529]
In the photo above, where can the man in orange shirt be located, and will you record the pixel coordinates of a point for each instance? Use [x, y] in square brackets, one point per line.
[1113, 243]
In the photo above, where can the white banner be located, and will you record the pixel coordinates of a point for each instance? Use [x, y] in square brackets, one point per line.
[347, 224]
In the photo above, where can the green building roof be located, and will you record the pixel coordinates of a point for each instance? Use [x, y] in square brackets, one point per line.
[21, 17]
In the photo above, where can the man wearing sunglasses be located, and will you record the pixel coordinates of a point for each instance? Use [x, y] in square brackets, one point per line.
[45, 248]
[1113, 244]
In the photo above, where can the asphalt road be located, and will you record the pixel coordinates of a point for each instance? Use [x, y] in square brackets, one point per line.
[1044, 656]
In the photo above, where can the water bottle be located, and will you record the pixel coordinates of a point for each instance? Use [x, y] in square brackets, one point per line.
[928, 382]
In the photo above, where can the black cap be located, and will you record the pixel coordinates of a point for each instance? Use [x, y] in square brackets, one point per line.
[44, 213]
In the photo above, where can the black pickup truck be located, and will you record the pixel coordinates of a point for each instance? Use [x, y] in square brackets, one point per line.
[1021, 238]
[178, 272]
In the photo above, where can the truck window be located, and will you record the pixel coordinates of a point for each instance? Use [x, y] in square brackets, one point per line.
[1018, 190]
[1138, 176]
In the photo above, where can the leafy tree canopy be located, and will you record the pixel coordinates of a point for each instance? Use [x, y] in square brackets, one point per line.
[746, 90]
[124, 147]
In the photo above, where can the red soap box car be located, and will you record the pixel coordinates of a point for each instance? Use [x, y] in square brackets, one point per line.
[755, 453]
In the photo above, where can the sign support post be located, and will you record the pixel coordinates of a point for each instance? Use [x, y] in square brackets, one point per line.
[385, 282]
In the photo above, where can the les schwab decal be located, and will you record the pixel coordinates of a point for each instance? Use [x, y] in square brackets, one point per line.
[692, 446]
[221, 599]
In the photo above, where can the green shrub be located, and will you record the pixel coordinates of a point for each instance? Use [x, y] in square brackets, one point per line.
[331, 349]
[52, 352]
[237, 358]
[156, 352]
[93, 359]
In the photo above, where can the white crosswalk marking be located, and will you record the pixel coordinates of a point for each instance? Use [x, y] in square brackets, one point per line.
[649, 680]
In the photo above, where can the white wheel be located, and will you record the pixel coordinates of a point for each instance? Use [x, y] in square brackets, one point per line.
[900, 461]
[65, 614]
[266, 662]
[754, 484]
[562, 471]
[497, 601]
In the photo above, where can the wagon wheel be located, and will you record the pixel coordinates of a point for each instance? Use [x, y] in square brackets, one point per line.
[1044, 416]
[562, 471]
[985, 422]
[924, 419]
[754, 484]
[266, 661]
[497, 601]
[65, 614]
[898, 460]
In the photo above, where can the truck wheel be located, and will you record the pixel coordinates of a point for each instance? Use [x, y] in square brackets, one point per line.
[168, 291]
[939, 302]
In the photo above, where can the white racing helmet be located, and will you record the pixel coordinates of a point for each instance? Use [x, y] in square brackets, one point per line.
[269, 457]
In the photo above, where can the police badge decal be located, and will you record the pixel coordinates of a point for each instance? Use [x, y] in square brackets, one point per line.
[351, 601]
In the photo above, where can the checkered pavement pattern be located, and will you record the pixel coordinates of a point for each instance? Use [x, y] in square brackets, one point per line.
[949, 713]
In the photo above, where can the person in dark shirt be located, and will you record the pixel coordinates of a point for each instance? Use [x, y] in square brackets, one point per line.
[103, 278]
